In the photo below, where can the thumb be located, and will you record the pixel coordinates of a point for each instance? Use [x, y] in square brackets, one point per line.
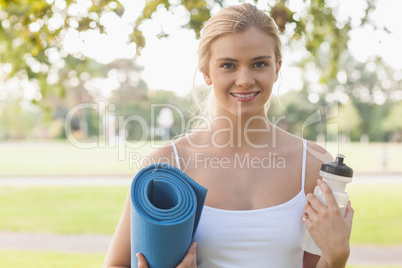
[142, 262]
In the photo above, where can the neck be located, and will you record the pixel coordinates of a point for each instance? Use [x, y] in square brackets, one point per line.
[230, 131]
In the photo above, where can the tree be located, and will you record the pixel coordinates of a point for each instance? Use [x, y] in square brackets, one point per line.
[372, 90]
[32, 33]
[31, 42]
[393, 123]
[18, 122]
[349, 121]
[290, 112]
[132, 97]
[32, 53]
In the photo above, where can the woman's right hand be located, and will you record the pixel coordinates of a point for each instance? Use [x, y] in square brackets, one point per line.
[189, 260]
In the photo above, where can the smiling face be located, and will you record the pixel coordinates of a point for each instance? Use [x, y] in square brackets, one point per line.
[242, 69]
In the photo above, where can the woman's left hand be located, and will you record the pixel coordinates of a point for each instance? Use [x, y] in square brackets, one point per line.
[329, 229]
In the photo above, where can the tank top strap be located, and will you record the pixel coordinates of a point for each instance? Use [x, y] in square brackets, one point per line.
[304, 163]
[176, 154]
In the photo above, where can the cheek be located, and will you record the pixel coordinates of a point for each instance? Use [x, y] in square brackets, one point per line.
[219, 81]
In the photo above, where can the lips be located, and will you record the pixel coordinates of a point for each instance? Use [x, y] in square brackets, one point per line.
[244, 96]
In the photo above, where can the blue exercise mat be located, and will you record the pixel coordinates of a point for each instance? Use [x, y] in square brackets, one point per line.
[166, 206]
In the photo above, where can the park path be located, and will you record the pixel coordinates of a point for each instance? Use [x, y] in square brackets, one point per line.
[367, 255]
[126, 180]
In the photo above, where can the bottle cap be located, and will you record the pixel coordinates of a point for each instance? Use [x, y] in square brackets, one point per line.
[337, 167]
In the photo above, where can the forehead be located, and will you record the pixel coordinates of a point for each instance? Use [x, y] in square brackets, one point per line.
[250, 43]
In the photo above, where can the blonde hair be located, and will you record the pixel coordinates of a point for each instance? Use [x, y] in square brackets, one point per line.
[235, 19]
[232, 19]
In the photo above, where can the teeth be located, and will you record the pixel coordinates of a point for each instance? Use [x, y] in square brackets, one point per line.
[244, 95]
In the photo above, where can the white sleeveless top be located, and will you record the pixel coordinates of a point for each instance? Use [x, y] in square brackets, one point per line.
[267, 237]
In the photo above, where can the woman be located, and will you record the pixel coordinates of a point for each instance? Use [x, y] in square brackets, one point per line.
[259, 177]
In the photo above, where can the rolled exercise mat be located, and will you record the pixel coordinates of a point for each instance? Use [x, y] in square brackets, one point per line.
[166, 206]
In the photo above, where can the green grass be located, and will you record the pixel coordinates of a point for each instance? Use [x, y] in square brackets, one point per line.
[378, 213]
[22, 259]
[96, 210]
[64, 159]
[68, 210]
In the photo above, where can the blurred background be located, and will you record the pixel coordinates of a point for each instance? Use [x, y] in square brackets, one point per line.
[88, 88]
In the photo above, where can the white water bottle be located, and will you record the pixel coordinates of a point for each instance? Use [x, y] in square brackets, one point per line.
[336, 174]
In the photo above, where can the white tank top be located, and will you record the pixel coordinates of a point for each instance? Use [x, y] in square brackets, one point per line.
[267, 237]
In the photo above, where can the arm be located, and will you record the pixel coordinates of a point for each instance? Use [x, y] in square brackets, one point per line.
[119, 253]
[310, 260]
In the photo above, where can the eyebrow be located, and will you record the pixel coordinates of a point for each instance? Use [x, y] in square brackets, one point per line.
[256, 58]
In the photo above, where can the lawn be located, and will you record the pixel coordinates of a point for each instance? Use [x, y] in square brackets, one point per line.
[62, 260]
[19, 259]
[64, 159]
[378, 213]
[96, 210]
[61, 209]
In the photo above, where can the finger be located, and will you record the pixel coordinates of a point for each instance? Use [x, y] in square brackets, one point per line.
[142, 262]
[328, 194]
[307, 222]
[349, 213]
[190, 257]
[311, 213]
[315, 203]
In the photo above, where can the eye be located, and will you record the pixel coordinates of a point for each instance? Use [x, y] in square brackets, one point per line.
[261, 64]
[227, 66]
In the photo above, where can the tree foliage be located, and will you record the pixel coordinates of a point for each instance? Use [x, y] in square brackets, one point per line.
[393, 122]
[31, 41]
[34, 63]
[32, 33]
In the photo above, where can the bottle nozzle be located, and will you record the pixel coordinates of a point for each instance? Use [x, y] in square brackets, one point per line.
[339, 158]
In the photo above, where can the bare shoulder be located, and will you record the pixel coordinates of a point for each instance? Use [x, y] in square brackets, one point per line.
[188, 143]
[161, 154]
[316, 155]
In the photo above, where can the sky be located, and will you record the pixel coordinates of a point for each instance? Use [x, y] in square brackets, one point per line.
[171, 63]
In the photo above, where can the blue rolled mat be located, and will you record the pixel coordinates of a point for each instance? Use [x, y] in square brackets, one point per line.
[166, 206]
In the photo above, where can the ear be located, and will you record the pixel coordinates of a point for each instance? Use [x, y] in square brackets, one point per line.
[278, 68]
[207, 78]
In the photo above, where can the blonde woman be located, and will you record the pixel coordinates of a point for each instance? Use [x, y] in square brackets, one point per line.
[259, 177]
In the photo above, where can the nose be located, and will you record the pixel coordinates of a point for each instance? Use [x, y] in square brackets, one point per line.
[245, 78]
